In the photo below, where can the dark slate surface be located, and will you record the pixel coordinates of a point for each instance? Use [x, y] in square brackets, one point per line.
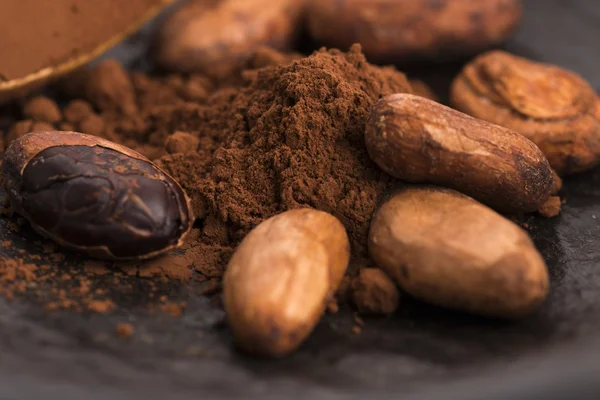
[422, 352]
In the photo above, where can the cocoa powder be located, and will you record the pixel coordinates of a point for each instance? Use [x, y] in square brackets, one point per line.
[39, 33]
[282, 132]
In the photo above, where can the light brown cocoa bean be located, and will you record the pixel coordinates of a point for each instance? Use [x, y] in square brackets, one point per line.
[554, 108]
[216, 37]
[419, 140]
[447, 249]
[401, 30]
[280, 278]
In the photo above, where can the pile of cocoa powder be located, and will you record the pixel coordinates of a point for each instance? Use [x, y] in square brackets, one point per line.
[283, 132]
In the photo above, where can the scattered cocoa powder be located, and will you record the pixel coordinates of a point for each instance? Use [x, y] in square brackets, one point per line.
[56, 288]
[176, 266]
[68, 28]
[95, 267]
[15, 276]
[93, 286]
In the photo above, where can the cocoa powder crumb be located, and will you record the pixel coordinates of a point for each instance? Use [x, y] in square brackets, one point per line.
[181, 142]
[374, 292]
[333, 307]
[109, 88]
[42, 109]
[77, 111]
[551, 208]
[101, 306]
[124, 330]
[92, 125]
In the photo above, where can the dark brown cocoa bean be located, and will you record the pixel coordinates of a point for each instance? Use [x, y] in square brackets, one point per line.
[95, 196]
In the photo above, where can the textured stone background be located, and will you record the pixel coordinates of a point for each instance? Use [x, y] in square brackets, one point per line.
[421, 352]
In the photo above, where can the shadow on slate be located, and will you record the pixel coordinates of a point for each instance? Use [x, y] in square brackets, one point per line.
[421, 352]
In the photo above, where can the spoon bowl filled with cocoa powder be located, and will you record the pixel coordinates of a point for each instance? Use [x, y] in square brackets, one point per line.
[44, 40]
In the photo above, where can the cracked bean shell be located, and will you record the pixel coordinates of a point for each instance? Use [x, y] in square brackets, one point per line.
[553, 107]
